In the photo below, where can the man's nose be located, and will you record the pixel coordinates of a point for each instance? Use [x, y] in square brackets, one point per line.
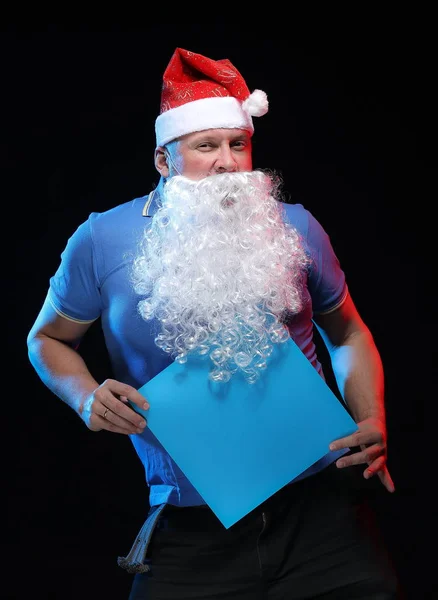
[225, 161]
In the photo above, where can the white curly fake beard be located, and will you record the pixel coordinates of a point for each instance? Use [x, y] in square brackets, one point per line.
[220, 269]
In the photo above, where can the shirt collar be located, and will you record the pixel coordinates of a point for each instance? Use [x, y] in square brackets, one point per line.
[151, 204]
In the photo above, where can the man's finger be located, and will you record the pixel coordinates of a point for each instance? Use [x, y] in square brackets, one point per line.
[123, 414]
[122, 389]
[123, 428]
[360, 438]
[386, 479]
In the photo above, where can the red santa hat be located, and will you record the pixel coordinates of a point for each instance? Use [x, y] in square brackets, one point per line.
[199, 93]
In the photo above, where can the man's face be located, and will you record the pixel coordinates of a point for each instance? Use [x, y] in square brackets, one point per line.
[198, 155]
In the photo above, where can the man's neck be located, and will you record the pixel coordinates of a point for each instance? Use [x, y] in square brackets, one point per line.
[160, 187]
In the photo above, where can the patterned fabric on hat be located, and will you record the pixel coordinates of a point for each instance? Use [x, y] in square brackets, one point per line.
[191, 76]
[200, 93]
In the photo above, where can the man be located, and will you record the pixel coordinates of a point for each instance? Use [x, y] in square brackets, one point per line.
[213, 263]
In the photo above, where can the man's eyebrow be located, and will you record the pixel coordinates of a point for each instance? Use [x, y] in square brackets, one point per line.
[204, 138]
[243, 136]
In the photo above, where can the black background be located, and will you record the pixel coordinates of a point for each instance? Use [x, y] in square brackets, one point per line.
[348, 127]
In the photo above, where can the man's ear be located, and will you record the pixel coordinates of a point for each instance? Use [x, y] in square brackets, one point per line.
[161, 162]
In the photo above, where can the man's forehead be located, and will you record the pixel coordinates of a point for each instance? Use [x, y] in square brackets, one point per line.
[216, 134]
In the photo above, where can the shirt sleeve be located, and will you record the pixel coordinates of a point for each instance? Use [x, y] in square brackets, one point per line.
[74, 290]
[327, 282]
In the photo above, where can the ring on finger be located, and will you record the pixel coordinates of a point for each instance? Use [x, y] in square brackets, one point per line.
[104, 414]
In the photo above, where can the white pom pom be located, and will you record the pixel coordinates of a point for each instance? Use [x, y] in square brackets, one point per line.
[256, 104]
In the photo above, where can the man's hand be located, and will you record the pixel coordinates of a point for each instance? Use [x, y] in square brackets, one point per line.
[107, 408]
[371, 437]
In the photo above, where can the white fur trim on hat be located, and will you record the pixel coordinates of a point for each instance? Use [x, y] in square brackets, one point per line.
[206, 113]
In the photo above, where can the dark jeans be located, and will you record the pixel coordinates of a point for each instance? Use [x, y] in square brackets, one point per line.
[313, 539]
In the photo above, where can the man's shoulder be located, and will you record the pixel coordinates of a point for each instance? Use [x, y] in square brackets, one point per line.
[117, 215]
[113, 231]
[294, 208]
[297, 215]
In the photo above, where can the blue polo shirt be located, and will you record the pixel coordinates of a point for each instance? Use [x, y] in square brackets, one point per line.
[92, 282]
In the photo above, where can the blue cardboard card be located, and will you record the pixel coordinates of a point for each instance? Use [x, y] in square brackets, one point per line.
[239, 443]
